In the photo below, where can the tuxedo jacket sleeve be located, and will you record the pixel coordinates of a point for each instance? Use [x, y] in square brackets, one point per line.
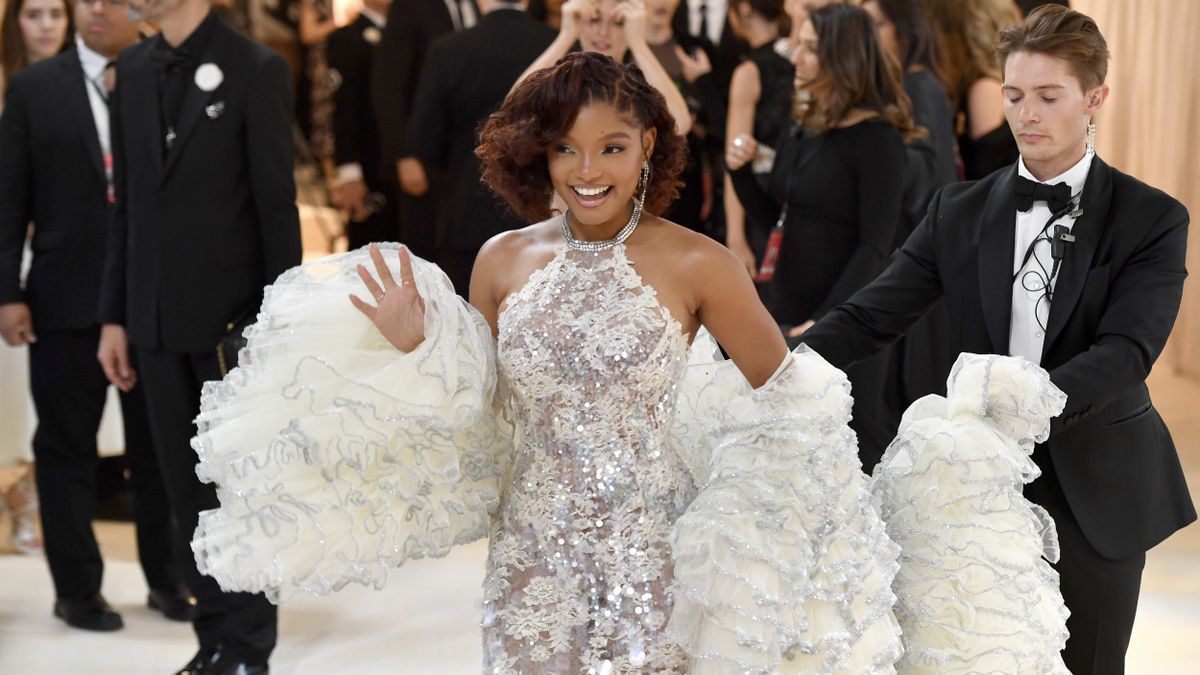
[272, 159]
[1143, 299]
[16, 207]
[426, 131]
[350, 56]
[411, 27]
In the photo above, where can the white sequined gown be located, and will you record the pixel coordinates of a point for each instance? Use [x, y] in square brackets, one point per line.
[648, 511]
[579, 571]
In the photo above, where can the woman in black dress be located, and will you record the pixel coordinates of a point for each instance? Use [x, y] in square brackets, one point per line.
[837, 189]
[760, 104]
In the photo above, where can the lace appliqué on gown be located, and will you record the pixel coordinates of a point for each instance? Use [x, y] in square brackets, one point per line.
[579, 572]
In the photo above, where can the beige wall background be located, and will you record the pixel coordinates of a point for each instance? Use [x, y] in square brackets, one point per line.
[1150, 127]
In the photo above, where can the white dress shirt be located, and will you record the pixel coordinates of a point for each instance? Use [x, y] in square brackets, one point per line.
[374, 17]
[94, 65]
[462, 13]
[1030, 310]
[716, 10]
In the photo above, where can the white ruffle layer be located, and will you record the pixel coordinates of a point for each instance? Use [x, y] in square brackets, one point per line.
[782, 564]
[334, 456]
[975, 591]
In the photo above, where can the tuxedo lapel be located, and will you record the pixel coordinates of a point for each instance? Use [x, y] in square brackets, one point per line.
[76, 96]
[1077, 259]
[144, 95]
[996, 243]
[195, 100]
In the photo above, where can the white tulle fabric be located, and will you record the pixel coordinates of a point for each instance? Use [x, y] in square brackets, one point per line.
[648, 511]
[335, 457]
[782, 563]
[975, 591]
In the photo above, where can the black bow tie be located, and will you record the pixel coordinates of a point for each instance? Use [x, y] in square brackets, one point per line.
[1026, 192]
[170, 60]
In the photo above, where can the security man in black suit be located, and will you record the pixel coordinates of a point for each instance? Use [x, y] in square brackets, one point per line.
[465, 78]
[1111, 255]
[366, 182]
[205, 217]
[412, 27]
[55, 172]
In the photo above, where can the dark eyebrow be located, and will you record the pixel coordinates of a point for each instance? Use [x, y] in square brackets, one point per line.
[1009, 87]
[617, 134]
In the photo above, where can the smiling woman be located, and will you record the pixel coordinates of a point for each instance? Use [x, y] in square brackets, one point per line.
[535, 145]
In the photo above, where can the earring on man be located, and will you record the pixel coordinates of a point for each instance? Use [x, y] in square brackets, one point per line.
[1091, 137]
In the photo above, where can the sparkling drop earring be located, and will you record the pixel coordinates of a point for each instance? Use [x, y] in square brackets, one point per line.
[644, 183]
[1091, 137]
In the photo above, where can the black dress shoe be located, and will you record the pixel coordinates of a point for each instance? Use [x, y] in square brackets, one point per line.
[88, 613]
[174, 603]
[234, 667]
[201, 662]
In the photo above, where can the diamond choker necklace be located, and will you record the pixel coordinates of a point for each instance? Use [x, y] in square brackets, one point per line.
[595, 246]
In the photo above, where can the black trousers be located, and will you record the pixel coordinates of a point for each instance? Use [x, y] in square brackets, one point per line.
[1101, 593]
[242, 624]
[69, 391]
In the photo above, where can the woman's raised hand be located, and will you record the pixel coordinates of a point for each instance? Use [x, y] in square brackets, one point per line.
[574, 13]
[399, 310]
[632, 15]
[740, 151]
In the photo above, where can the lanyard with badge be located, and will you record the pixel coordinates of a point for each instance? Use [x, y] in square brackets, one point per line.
[770, 262]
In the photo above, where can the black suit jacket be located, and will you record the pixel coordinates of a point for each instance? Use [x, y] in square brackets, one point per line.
[1115, 302]
[52, 174]
[725, 56]
[196, 234]
[465, 79]
[355, 116]
[412, 27]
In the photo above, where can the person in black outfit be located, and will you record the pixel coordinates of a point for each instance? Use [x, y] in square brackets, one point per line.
[905, 32]
[760, 104]
[412, 27]
[1110, 475]
[465, 79]
[841, 182]
[367, 183]
[703, 25]
[54, 148]
[205, 216]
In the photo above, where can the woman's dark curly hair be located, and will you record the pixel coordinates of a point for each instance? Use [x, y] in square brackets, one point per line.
[516, 139]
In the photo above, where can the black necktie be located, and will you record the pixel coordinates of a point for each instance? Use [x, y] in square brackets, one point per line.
[173, 66]
[1026, 192]
[703, 19]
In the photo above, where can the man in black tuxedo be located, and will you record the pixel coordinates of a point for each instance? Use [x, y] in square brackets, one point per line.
[205, 216]
[54, 172]
[1114, 261]
[412, 27]
[465, 78]
[704, 25]
[366, 182]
